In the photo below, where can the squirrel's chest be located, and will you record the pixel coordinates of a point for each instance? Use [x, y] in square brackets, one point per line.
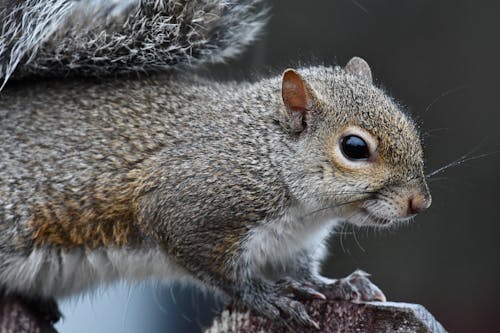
[278, 242]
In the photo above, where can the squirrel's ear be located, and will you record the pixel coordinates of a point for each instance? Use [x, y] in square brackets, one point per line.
[298, 99]
[360, 68]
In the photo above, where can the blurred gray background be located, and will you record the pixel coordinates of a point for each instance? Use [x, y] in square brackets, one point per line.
[441, 59]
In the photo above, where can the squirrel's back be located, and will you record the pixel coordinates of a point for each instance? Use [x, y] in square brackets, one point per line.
[86, 153]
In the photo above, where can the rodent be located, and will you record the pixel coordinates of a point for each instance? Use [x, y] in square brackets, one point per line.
[232, 186]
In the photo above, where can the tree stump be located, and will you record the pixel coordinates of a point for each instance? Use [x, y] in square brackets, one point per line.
[338, 317]
[20, 316]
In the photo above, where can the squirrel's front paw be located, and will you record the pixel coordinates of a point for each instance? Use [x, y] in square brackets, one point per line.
[278, 304]
[355, 287]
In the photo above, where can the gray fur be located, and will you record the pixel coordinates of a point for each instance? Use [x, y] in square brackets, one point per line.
[171, 176]
[101, 38]
[226, 191]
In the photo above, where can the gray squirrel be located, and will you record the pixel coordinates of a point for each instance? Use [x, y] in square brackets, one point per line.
[144, 173]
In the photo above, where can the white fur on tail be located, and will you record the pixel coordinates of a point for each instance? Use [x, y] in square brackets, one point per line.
[107, 37]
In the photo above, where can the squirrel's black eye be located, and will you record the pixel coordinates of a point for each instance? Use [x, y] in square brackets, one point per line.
[355, 148]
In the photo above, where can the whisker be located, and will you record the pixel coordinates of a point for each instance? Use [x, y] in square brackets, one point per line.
[430, 180]
[342, 231]
[464, 158]
[344, 234]
[430, 132]
[444, 94]
[360, 6]
[341, 238]
[370, 194]
[355, 192]
[460, 161]
[356, 239]
[335, 206]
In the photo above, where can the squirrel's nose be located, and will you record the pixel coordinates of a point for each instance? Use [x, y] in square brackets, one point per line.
[418, 203]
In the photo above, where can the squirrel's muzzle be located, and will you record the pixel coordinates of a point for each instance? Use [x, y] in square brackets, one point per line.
[418, 203]
[418, 199]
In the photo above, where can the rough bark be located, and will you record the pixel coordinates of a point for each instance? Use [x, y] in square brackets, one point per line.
[335, 316]
[18, 315]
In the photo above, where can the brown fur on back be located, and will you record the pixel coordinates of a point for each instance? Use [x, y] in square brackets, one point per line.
[100, 217]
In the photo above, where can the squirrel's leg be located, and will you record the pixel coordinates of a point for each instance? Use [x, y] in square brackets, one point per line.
[219, 263]
[355, 287]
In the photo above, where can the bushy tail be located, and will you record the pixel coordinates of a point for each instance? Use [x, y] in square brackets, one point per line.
[107, 37]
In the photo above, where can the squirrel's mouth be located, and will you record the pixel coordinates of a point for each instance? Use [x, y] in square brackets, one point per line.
[372, 219]
[375, 220]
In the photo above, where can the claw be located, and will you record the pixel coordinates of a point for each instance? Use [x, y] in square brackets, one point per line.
[299, 290]
[380, 297]
[275, 302]
[356, 287]
[358, 274]
[313, 294]
[376, 295]
[279, 302]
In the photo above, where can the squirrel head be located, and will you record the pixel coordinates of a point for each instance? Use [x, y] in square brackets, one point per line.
[358, 154]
